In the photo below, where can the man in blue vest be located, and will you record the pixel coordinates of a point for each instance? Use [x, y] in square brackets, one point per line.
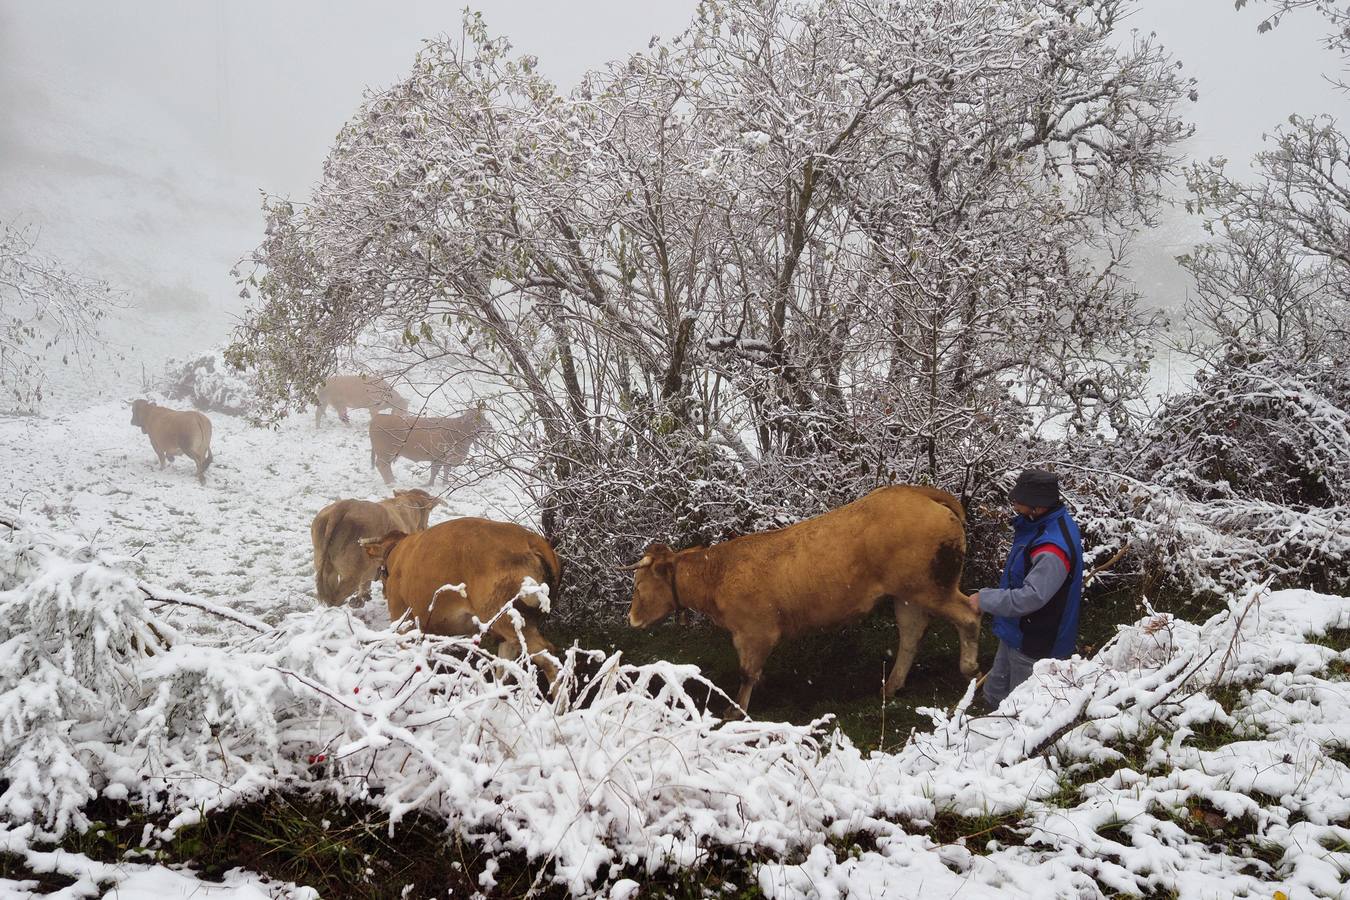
[1035, 606]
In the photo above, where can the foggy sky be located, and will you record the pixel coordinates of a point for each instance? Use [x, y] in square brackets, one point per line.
[137, 135]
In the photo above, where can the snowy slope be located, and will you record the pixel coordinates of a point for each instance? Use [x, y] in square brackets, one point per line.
[242, 538]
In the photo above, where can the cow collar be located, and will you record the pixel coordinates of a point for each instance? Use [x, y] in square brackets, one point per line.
[382, 572]
[675, 583]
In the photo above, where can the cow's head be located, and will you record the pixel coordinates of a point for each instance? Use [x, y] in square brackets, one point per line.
[421, 501]
[653, 587]
[398, 401]
[380, 548]
[138, 408]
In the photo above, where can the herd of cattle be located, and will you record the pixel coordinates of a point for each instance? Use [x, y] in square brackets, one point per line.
[902, 543]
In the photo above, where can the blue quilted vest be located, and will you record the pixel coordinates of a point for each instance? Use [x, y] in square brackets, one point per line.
[1051, 630]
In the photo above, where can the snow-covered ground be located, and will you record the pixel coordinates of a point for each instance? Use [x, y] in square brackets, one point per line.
[242, 538]
[1121, 773]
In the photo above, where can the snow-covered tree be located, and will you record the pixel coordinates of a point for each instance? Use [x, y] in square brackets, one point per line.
[797, 251]
[48, 312]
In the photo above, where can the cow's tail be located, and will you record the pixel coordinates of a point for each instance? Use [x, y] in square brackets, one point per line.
[551, 568]
[327, 583]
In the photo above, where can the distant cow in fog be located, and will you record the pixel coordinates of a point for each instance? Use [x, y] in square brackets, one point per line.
[344, 392]
[342, 568]
[173, 431]
[441, 441]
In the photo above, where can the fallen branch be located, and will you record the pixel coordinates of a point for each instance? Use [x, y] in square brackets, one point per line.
[159, 595]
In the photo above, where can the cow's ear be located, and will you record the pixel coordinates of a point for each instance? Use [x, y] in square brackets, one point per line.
[379, 548]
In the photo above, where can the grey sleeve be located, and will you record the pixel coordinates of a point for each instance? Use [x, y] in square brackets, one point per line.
[1047, 574]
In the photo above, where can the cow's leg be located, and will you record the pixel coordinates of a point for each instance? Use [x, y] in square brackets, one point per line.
[435, 467]
[386, 470]
[342, 415]
[911, 621]
[753, 650]
[318, 413]
[535, 643]
[967, 624]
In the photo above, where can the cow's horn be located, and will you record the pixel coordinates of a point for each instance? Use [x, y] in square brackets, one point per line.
[645, 561]
[366, 542]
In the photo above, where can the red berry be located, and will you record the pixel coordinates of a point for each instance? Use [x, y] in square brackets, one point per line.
[356, 690]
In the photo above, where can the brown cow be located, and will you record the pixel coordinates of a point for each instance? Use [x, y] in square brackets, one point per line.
[342, 569]
[344, 392]
[175, 431]
[422, 573]
[904, 542]
[442, 441]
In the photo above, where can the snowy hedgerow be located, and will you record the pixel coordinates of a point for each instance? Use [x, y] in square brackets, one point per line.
[210, 383]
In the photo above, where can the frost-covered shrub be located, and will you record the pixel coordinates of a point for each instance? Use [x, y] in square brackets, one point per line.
[74, 629]
[1257, 428]
[1244, 479]
[209, 383]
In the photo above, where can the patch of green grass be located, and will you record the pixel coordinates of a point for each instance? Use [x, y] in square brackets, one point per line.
[977, 833]
[1203, 821]
[1213, 735]
[342, 851]
[838, 672]
[1337, 639]
[349, 852]
[1077, 776]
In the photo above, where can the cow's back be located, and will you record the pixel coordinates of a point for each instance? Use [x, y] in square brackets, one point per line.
[186, 431]
[489, 558]
[834, 566]
[356, 391]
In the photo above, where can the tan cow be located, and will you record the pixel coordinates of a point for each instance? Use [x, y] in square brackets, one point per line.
[906, 543]
[175, 431]
[344, 392]
[421, 573]
[441, 441]
[342, 569]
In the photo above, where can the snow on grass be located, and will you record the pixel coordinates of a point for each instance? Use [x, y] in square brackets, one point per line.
[1209, 760]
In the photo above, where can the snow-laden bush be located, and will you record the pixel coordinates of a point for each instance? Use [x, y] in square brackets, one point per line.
[1257, 427]
[1245, 478]
[74, 630]
[209, 383]
[622, 774]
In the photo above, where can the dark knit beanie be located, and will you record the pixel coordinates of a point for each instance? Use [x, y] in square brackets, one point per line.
[1036, 487]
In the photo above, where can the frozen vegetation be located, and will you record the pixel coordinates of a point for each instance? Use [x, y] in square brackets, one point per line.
[175, 658]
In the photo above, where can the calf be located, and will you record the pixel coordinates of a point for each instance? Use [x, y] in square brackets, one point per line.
[344, 392]
[441, 441]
